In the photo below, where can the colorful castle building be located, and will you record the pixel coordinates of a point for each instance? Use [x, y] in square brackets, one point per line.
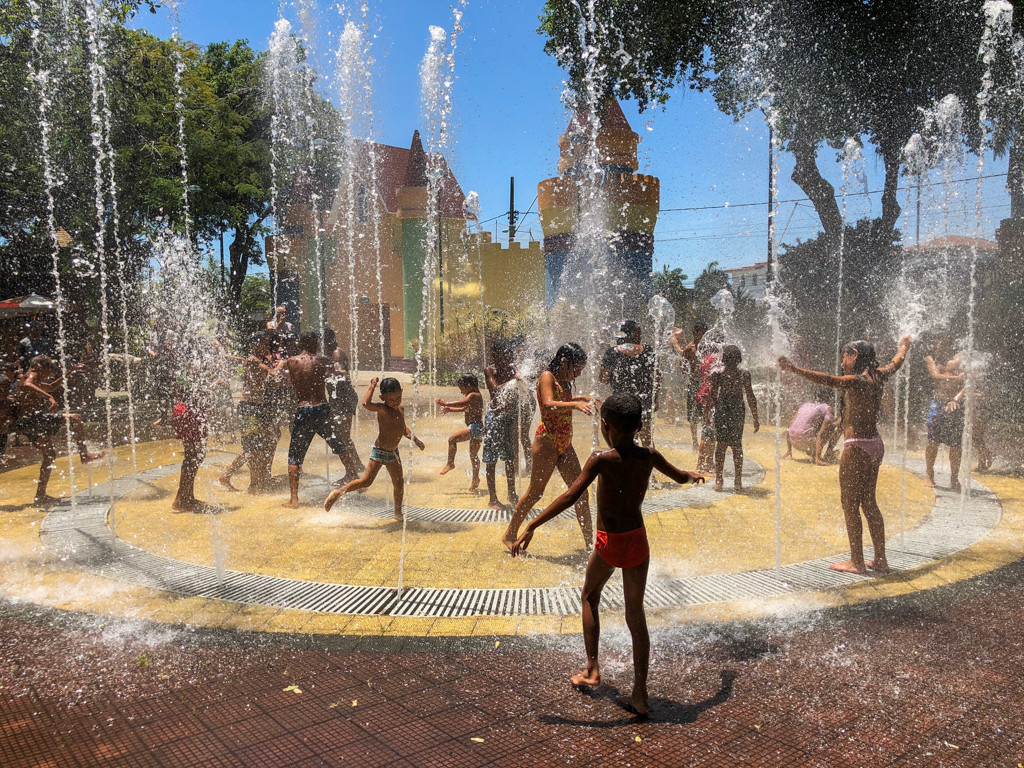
[372, 237]
[629, 203]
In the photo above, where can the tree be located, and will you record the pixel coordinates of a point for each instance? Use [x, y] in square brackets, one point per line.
[670, 283]
[823, 70]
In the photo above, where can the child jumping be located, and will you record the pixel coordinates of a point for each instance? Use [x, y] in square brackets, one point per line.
[624, 472]
[472, 404]
[391, 429]
[729, 385]
[861, 383]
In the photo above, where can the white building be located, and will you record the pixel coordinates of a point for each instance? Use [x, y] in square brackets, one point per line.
[749, 280]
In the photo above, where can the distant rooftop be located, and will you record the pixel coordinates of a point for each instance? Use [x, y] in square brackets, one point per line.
[955, 241]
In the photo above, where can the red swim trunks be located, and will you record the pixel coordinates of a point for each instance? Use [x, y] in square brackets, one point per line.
[189, 426]
[623, 550]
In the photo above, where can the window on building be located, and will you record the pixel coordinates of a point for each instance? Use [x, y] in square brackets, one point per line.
[362, 204]
[753, 279]
[743, 281]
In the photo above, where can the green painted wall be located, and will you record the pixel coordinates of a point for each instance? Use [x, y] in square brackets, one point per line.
[414, 233]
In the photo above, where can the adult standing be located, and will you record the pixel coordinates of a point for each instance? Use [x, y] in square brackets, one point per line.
[629, 369]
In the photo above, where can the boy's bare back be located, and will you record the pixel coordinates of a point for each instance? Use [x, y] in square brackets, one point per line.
[309, 374]
[624, 475]
[474, 407]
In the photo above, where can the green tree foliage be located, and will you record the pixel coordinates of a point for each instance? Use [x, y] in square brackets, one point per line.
[226, 110]
[670, 283]
[825, 70]
[809, 273]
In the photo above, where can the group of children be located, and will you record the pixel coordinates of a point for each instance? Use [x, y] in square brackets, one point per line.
[723, 391]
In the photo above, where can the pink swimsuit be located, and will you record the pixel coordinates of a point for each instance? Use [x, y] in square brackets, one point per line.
[872, 446]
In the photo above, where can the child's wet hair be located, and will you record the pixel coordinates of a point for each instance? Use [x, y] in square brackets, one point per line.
[865, 352]
[468, 380]
[623, 411]
[390, 385]
[41, 361]
[731, 356]
[309, 342]
[572, 353]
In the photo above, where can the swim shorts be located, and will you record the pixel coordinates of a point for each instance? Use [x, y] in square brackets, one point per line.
[253, 421]
[189, 425]
[312, 420]
[476, 429]
[40, 424]
[622, 550]
[499, 436]
[945, 426]
[383, 456]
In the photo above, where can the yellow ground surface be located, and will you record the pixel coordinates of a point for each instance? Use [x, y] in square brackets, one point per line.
[733, 533]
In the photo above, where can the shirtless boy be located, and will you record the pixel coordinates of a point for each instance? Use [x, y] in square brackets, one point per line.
[472, 404]
[945, 415]
[256, 422]
[41, 419]
[624, 472]
[391, 429]
[694, 412]
[729, 386]
[308, 371]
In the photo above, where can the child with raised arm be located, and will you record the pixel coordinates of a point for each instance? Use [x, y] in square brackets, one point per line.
[500, 423]
[861, 384]
[391, 428]
[624, 472]
[471, 404]
[729, 385]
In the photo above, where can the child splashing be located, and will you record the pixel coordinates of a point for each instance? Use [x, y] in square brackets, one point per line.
[552, 445]
[861, 383]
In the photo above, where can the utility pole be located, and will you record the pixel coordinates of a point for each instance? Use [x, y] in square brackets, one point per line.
[771, 183]
[513, 214]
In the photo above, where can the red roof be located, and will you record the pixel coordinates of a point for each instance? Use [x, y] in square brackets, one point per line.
[392, 166]
[613, 120]
[955, 241]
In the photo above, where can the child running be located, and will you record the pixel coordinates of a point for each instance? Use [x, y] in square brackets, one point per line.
[624, 472]
[861, 383]
[471, 404]
[500, 423]
[41, 419]
[552, 444]
[729, 385]
[391, 429]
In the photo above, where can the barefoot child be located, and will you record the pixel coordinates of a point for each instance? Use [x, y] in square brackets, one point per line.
[40, 419]
[500, 423]
[861, 383]
[258, 431]
[472, 404]
[729, 385]
[624, 472]
[391, 429]
[552, 444]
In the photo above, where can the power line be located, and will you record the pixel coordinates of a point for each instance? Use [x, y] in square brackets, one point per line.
[838, 194]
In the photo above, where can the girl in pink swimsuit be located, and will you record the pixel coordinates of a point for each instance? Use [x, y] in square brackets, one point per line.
[552, 445]
[861, 383]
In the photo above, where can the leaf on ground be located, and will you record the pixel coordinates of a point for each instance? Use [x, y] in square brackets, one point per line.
[293, 689]
[497, 643]
[477, 739]
[354, 702]
[332, 705]
[637, 739]
[951, 746]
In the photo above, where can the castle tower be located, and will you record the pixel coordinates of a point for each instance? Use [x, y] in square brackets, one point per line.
[630, 210]
[412, 219]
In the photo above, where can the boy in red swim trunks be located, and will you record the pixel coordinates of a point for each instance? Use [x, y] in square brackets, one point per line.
[625, 472]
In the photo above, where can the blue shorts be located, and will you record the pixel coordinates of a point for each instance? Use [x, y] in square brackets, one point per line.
[476, 429]
[945, 426]
[312, 420]
[383, 456]
[499, 437]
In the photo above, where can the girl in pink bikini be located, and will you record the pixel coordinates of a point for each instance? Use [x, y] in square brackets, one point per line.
[552, 445]
[863, 449]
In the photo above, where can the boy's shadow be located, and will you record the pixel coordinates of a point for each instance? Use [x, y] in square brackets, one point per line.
[569, 559]
[757, 493]
[661, 710]
[424, 526]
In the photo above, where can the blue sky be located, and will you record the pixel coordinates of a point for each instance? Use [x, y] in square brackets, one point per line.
[508, 115]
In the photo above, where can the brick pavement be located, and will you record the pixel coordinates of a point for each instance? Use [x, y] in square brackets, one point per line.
[932, 679]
